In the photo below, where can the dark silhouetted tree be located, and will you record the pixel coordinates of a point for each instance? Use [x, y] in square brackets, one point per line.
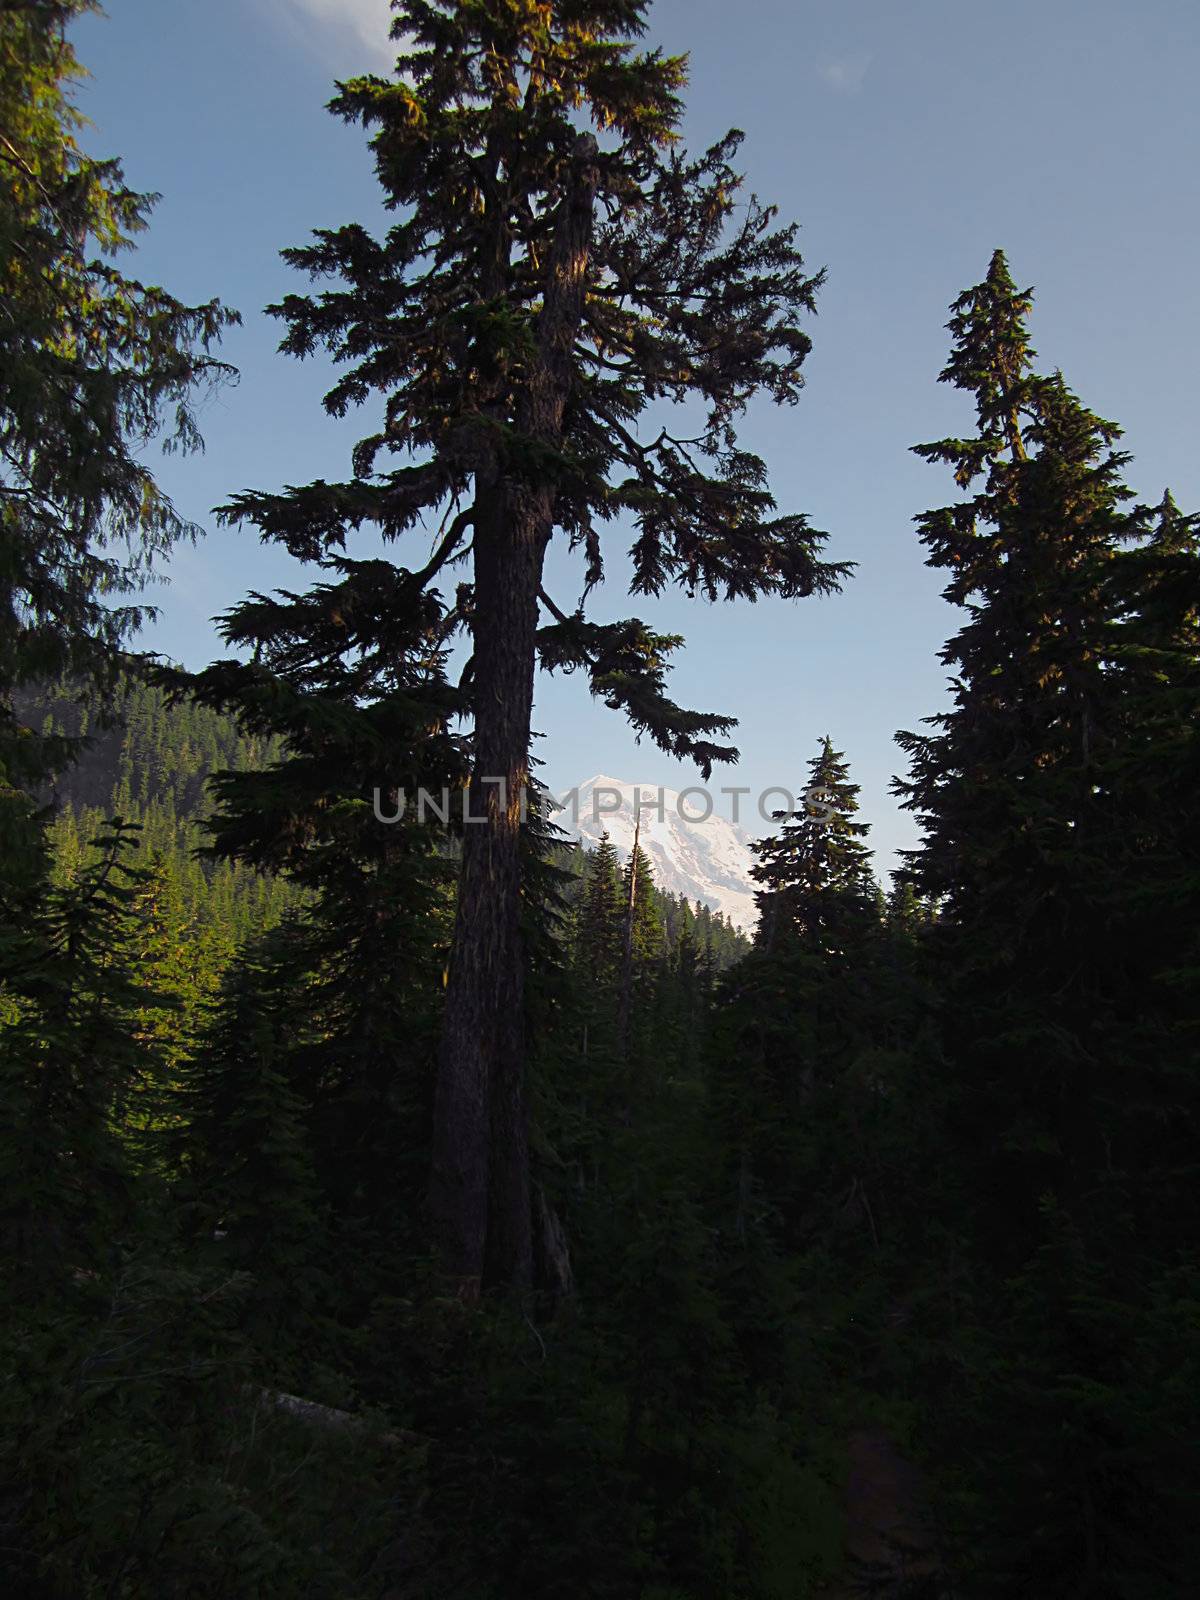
[542, 288]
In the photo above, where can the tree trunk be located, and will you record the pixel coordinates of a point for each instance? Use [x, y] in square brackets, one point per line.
[625, 1000]
[479, 1100]
[480, 1201]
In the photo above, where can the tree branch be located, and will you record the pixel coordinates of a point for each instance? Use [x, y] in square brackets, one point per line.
[445, 551]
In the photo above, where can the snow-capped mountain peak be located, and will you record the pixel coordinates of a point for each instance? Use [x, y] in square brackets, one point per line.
[706, 858]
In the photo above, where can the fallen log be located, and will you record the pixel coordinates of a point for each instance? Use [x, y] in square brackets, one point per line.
[330, 1420]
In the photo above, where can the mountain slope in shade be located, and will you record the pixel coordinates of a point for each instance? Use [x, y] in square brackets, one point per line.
[707, 861]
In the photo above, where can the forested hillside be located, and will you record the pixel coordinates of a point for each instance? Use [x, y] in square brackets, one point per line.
[143, 759]
[418, 1209]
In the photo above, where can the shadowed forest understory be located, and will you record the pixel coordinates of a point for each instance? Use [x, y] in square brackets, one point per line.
[437, 1209]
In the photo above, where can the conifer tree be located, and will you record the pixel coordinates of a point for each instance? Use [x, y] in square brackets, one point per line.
[598, 927]
[542, 287]
[798, 1015]
[641, 942]
[904, 911]
[684, 968]
[1039, 842]
[1019, 822]
[1158, 764]
[250, 1179]
[70, 1055]
[817, 867]
[92, 365]
[642, 913]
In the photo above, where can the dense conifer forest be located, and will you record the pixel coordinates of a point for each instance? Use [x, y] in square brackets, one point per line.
[434, 1209]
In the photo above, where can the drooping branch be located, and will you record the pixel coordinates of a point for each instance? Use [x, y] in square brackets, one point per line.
[448, 549]
[626, 667]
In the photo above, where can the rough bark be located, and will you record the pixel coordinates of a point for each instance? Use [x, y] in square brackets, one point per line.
[480, 1201]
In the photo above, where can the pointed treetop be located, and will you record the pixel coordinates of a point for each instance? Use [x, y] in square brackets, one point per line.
[819, 854]
[991, 357]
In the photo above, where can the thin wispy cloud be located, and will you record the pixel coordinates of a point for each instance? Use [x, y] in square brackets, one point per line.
[845, 74]
[363, 23]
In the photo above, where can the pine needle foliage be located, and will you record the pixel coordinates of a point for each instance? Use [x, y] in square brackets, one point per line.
[94, 366]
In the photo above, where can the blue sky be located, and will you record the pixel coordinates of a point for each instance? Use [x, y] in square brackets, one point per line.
[909, 140]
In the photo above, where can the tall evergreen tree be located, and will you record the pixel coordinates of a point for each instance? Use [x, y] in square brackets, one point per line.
[93, 367]
[542, 288]
[93, 364]
[1035, 847]
[642, 938]
[599, 920]
[640, 909]
[798, 1014]
[1157, 768]
[1019, 824]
